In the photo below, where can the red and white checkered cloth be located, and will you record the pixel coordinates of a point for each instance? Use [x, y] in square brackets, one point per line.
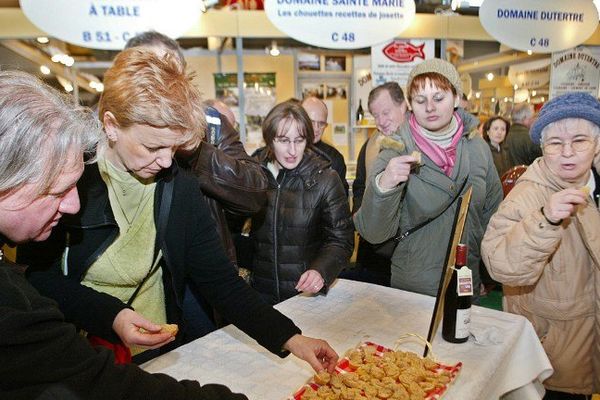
[343, 367]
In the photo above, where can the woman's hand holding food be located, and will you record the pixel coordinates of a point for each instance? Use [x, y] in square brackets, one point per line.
[563, 204]
[127, 325]
[318, 353]
[396, 171]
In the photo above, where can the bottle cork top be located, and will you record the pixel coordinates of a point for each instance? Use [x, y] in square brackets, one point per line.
[461, 254]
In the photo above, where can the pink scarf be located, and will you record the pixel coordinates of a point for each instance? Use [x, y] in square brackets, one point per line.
[443, 158]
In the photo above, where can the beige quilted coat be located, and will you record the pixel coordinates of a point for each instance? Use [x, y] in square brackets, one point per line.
[551, 275]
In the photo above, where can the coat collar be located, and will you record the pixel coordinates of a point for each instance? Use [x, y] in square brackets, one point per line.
[95, 208]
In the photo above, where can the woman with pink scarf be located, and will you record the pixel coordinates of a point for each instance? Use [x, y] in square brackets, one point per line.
[418, 197]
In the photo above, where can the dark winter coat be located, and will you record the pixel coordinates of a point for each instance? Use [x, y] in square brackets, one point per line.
[306, 224]
[337, 161]
[43, 357]
[191, 251]
[230, 179]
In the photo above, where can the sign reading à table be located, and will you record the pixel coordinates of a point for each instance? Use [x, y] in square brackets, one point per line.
[108, 24]
[341, 24]
[542, 26]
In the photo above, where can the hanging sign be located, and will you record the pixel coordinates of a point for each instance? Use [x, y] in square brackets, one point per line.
[575, 70]
[393, 60]
[542, 26]
[341, 24]
[530, 75]
[109, 24]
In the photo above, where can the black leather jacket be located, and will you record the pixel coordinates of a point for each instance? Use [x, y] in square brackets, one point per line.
[230, 179]
[306, 224]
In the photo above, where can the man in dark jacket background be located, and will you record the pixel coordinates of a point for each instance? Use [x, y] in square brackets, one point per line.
[317, 111]
[521, 150]
[42, 140]
[387, 105]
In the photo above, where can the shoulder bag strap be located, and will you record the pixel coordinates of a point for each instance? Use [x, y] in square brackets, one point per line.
[401, 236]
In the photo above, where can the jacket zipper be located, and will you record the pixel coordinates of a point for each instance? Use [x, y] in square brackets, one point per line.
[275, 244]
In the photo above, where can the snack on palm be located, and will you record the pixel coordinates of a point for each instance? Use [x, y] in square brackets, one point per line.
[586, 190]
[170, 328]
[417, 155]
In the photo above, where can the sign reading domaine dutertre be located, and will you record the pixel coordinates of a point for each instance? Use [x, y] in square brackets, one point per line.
[542, 26]
[341, 24]
[108, 24]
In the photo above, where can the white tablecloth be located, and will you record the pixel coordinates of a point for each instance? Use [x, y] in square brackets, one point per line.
[353, 312]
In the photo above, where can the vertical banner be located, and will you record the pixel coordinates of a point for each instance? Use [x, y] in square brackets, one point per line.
[392, 61]
[575, 70]
[362, 85]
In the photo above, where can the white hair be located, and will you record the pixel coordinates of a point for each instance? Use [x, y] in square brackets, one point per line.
[39, 129]
[521, 112]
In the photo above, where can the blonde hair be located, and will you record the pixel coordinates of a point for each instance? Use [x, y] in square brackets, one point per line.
[143, 88]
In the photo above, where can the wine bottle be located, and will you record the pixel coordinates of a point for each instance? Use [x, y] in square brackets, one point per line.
[359, 111]
[457, 301]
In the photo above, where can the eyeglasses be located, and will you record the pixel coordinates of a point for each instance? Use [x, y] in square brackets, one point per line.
[578, 145]
[286, 141]
[319, 124]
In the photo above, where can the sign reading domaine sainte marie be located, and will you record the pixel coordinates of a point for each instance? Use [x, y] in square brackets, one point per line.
[108, 24]
[341, 24]
[542, 26]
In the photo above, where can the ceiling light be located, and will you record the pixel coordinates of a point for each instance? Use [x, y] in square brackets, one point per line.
[274, 50]
[506, 99]
[69, 87]
[543, 99]
[68, 61]
[56, 58]
[493, 99]
[516, 86]
[477, 95]
[100, 87]
[533, 93]
[529, 52]
[45, 70]
[490, 76]
[43, 39]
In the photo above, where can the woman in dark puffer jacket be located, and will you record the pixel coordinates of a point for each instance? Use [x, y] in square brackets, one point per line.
[304, 235]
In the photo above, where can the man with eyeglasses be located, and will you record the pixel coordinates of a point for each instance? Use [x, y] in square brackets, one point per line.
[317, 111]
[543, 244]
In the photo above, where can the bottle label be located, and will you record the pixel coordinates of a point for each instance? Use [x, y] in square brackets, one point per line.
[464, 282]
[463, 320]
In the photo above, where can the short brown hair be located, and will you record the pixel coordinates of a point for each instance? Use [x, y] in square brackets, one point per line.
[153, 38]
[280, 117]
[488, 125]
[438, 80]
[142, 88]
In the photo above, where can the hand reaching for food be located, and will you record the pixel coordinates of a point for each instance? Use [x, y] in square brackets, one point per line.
[318, 353]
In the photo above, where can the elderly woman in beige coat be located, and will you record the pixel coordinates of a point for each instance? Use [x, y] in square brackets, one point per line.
[543, 244]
